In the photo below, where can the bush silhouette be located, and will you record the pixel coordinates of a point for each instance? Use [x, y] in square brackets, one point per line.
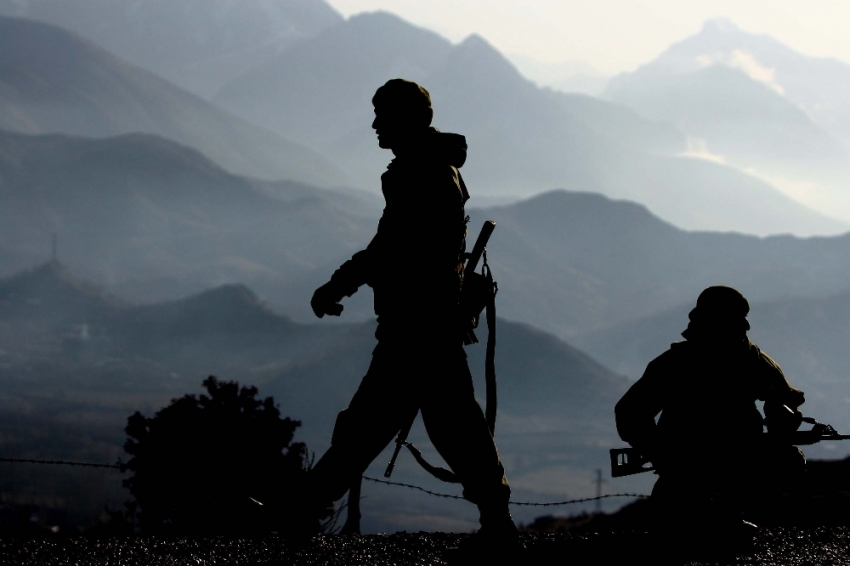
[202, 464]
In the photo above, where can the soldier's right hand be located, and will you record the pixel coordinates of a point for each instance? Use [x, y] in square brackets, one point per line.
[326, 301]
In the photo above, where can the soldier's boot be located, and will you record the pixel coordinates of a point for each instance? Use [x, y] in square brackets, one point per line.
[307, 511]
[498, 538]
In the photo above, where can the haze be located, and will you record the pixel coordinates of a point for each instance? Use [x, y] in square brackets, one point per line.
[612, 36]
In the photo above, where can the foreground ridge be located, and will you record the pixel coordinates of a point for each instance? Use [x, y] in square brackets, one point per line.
[786, 546]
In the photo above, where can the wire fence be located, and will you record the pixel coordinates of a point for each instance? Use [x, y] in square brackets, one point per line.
[367, 478]
[517, 503]
[60, 463]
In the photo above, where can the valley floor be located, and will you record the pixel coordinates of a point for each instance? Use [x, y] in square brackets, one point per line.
[785, 546]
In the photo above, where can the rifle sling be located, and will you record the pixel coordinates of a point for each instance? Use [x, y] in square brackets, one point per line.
[490, 379]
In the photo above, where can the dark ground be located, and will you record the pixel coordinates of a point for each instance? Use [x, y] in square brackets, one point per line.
[780, 546]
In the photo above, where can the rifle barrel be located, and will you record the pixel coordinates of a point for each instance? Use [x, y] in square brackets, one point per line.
[480, 245]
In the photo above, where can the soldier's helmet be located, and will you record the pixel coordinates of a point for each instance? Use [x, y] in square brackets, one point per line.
[720, 309]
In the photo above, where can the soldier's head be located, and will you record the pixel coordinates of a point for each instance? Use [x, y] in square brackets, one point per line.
[402, 113]
[719, 316]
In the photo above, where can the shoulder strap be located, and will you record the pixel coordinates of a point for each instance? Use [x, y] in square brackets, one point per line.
[490, 360]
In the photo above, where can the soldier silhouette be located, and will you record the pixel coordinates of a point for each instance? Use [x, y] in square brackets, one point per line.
[708, 445]
[412, 265]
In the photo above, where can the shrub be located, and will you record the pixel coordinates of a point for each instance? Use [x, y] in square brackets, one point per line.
[220, 463]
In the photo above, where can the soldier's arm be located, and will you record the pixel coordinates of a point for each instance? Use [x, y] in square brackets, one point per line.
[781, 400]
[349, 277]
[357, 271]
[635, 413]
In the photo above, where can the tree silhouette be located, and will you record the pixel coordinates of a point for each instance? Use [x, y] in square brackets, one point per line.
[218, 463]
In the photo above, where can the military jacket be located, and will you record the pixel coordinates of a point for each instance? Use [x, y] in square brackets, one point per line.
[412, 262]
[705, 399]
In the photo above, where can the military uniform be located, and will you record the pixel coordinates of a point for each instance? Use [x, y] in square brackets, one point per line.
[709, 439]
[419, 363]
[707, 403]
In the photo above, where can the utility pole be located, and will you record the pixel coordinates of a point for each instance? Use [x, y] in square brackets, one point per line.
[599, 482]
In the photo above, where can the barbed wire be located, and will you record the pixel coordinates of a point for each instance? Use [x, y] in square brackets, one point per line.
[415, 487]
[367, 478]
[61, 463]
[517, 503]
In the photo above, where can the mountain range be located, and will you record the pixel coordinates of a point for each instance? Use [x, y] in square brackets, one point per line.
[522, 139]
[574, 262]
[316, 91]
[52, 81]
[153, 220]
[750, 101]
[196, 44]
[818, 85]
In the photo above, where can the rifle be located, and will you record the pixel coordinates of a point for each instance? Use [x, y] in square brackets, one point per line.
[629, 461]
[472, 259]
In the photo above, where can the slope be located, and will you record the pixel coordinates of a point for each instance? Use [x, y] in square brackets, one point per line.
[820, 86]
[152, 220]
[733, 93]
[54, 81]
[573, 262]
[555, 402]
[197, 44]
[143, 214]
[522, 139]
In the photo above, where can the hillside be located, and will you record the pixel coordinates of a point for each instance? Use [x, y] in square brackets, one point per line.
[750, 101]
[152, 219]
[102, 360]
[52, 81]
[818, 85]
[573, 262]
[197, 44]
[523, 139]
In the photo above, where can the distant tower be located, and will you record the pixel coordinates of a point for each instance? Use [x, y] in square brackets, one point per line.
[53, 248]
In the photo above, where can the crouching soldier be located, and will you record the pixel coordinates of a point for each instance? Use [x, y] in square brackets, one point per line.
[708, 445]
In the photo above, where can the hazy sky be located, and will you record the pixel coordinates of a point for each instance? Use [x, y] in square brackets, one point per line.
[618, 35]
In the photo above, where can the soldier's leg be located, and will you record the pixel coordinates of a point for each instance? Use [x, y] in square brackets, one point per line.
[457, 427]
[378, 410]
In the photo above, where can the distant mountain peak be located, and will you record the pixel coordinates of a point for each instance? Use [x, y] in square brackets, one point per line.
[479, 46]
[476, 55]
[377, 16]
[476, 40]
[381, 21]
[228, 294]
[721, 25]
